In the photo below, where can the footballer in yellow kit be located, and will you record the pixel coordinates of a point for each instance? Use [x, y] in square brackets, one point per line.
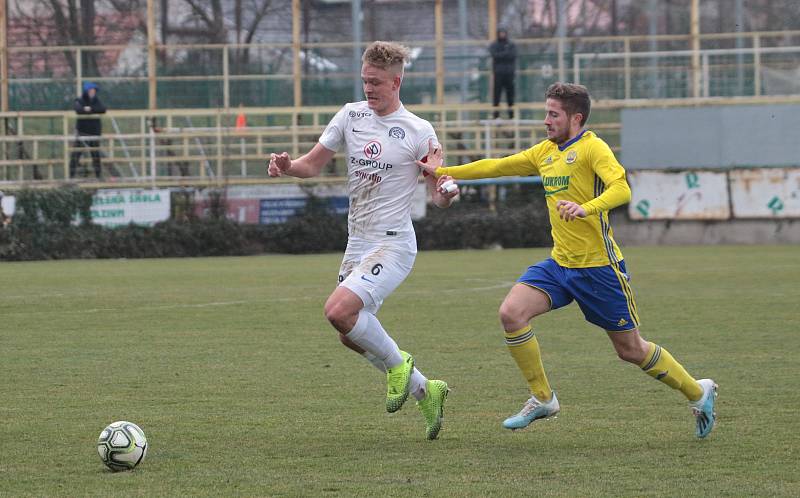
[582, 182]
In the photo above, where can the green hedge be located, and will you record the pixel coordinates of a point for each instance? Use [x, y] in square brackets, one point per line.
[43, 228]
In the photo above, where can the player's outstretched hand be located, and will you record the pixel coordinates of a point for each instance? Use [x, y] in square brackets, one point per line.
[278, 164]
[433, 160]
[568, 210]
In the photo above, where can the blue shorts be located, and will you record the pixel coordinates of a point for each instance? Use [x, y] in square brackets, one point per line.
[602, 292]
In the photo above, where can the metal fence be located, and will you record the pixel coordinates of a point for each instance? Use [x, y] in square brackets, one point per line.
[723, 73]
[181, 147]
[217, 76]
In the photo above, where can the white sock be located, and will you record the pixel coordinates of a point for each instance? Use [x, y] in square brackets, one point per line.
[374, 360]
[417, 383]
[368, 334]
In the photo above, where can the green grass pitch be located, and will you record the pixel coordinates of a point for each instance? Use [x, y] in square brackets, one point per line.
[243, 389]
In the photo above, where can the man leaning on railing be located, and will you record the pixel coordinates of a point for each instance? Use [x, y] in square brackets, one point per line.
[87, 130]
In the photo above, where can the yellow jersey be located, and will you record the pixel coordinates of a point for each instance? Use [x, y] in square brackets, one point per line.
[583, 170]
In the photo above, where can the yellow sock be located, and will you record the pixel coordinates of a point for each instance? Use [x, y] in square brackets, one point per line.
[524, 348]
[660, 365]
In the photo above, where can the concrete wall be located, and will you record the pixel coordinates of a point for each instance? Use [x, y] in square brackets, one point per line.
[711, 137]
[672, 232]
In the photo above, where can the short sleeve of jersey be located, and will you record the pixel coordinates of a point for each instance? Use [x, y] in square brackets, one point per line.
[426, 133]
[333, 136]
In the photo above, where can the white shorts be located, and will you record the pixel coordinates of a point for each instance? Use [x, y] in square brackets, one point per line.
[374, 269]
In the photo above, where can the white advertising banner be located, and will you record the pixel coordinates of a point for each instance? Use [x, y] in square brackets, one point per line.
[686, 195]
[765, 193]
[120, 207]
[9, 204]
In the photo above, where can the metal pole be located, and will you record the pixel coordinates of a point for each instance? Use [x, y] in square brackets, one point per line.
[739, 9]
[695, 32]
[298, 89]
[3, 57]
[153, 156]
[462, 34]
[355, 19]
[756, 65]
[627, 45]
[151, 55]
[3, 82]
[439, 27]
[655, 91]
[78, 70]
[561, 35]
[491, 15]
[226, 81]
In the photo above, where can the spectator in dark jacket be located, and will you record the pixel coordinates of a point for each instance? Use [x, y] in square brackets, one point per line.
[88, 130]
[504, 64]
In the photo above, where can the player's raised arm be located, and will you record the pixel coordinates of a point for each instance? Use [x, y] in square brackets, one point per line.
[306, 166]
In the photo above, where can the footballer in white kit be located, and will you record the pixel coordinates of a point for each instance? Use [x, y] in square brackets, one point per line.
[381, 154]
[383, 143]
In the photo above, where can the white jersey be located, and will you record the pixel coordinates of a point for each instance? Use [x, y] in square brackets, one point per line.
[381, 154]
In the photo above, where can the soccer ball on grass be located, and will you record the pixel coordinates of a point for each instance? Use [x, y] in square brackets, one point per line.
[122, 446]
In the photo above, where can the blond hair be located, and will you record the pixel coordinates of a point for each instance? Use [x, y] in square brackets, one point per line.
[386, 55]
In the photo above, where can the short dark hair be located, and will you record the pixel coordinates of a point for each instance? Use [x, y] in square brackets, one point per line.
[574, 98]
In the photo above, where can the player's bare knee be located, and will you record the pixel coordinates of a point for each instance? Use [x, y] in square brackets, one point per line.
[334, 313]
[340, 316]
[512, 317]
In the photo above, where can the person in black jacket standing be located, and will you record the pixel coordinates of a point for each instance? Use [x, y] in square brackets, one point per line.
[88, 130]
[504, 63]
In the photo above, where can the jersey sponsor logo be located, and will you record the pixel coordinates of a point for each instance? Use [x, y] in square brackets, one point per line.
[555, 184]
[358, 131]
[397, 132]
[571, 156]
[360, 114]
[373, 177]
[356, 161]
[373, 150]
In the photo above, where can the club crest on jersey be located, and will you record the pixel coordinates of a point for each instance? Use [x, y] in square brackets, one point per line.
[397, 132]
[571, 157]
[373, 150]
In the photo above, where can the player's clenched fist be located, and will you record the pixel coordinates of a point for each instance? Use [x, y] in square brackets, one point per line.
[568, 210]
[278, 164]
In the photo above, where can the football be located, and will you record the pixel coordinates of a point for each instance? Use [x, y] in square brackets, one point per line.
[122, 446]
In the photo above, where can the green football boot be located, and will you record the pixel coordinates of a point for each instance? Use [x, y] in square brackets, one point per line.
[432, 407]
[397, 380]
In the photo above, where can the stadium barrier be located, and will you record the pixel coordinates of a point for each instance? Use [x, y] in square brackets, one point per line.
[205, 147]
[322, 73]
